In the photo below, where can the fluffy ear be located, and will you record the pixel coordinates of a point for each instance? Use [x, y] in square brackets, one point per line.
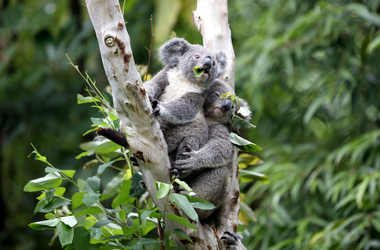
[172, 50]
[221, 58]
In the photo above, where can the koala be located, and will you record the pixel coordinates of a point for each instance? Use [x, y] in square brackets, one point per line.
[177, 95]
[232, 241]
[208, 170]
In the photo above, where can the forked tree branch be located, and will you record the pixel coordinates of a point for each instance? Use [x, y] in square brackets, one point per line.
[141, 129]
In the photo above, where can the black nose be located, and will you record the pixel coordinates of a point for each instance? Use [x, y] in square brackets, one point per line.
[207, 63]
[226, 105]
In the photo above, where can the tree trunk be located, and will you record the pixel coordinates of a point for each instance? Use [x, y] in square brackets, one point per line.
[141, 129]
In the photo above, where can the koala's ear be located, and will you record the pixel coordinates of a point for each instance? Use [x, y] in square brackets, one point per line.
[221, 58]
[172, 50]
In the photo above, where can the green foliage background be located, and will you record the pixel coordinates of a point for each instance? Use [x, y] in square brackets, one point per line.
[310, 71]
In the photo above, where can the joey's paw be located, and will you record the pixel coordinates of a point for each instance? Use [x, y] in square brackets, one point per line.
[155, 106]
[232, 241]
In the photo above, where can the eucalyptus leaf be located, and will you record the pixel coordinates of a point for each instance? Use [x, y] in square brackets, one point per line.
[163, 189]
[51, 180]
[243, 144]
[198, 72]
[185, 205]
[181, 220]
[65, 234]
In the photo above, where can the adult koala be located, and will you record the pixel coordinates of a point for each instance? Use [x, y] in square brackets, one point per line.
[208, 170]
[177, 95]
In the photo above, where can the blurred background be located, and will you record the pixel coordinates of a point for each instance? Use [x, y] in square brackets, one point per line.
[309, 70]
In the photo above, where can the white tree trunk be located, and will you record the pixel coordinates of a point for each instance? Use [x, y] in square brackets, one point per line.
[133, 108]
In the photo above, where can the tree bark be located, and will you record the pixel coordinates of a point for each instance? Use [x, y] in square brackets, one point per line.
[141, 129]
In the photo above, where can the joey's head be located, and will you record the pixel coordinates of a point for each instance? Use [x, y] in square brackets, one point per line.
[178, 53]
[218, 109]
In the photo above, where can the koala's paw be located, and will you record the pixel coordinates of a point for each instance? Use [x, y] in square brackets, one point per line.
[232, 241]
[155, 107]
[182, 168]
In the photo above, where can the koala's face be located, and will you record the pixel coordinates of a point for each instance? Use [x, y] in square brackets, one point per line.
[199, 56]
[179, 53]
[218, 109]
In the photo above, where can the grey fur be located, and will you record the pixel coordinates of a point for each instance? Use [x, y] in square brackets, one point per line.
[178, 95]
[208, 170]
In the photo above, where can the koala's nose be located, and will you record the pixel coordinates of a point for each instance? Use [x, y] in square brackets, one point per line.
[226, 105]
[207, 63]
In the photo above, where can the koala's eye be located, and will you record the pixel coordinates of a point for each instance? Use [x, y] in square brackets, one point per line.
[217, 95]
[196, 57]
[213, 63]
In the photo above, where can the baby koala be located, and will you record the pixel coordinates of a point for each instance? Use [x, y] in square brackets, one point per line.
[208, 170]
[177, 94]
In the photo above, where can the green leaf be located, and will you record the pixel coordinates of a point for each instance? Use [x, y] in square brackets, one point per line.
[101, 223]
[81, 239]
[96, 233]
[123, 195]
[89, 199]
[198, 72]
[77, 200]
[239, 123]
[88, 99]
[65, 234]
[50, 216]
[69, 173]
[245, 209]
[185, 205]
[148, 241]
[112, 187]
[163, 189]
[199, 203]
[38, 157]
[181, 220]
[90, 210]
[103, 167]
[107, 147]
[250, 175]
[181, 233]
[71, 221]
[243, 144]
[50, 206]
[58, 192]
[147, 213]
[46, 224]
[83, 154]
[94, 183]
[51, 180]
[184, 185]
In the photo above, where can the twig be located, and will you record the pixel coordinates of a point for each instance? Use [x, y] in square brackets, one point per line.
[114, 136]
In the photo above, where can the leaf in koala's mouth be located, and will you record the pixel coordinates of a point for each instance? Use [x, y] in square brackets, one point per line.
[198, 72]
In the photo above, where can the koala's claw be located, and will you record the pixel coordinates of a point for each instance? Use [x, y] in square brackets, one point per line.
[155, 106]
